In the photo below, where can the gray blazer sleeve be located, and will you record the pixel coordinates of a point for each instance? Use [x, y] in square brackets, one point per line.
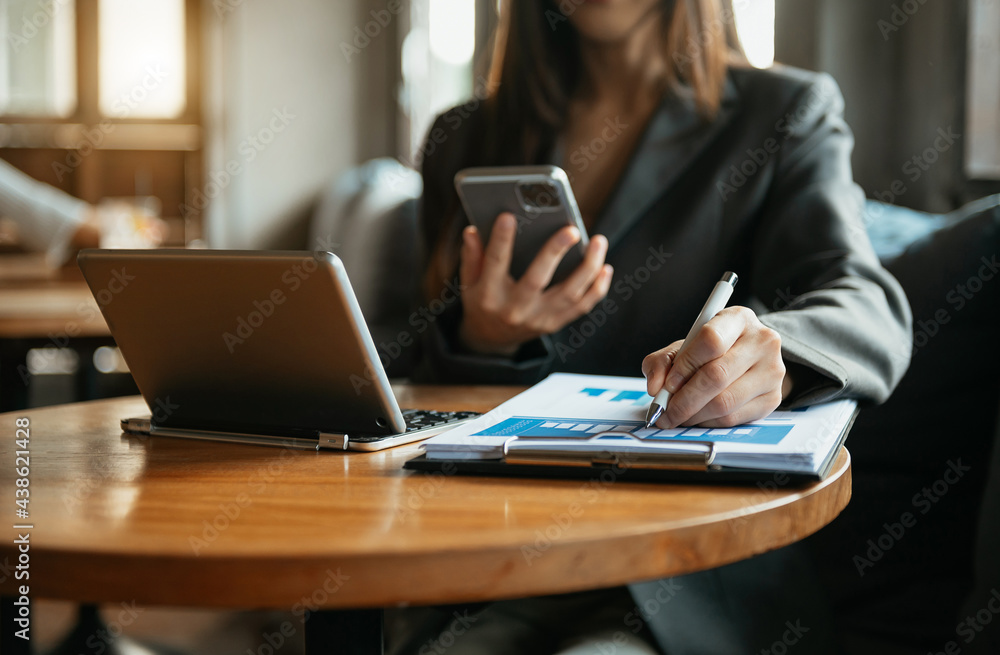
[839, 313]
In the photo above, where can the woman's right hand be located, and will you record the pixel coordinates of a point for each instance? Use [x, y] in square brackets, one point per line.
[501, 313]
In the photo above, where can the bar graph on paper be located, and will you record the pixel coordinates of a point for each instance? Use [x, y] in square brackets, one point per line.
[637, 398]
[623, 410]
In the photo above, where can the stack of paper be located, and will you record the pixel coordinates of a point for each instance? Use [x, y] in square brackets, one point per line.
[569, 409]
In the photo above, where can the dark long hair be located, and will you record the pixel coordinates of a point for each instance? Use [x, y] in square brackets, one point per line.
[537, 69]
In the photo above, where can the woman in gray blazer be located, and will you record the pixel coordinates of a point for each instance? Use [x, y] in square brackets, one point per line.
[685, 162]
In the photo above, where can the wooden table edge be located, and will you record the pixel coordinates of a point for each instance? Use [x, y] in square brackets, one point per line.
[360, 582]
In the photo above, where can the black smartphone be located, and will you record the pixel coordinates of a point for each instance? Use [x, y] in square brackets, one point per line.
[541, 199]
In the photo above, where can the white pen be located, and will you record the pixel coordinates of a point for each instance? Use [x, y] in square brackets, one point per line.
[715, 304]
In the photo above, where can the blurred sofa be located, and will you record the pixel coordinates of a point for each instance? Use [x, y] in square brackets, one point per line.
[368, 218]
[899, 562]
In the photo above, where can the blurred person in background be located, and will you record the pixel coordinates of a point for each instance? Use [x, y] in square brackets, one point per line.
[52, 221]
[47, 219]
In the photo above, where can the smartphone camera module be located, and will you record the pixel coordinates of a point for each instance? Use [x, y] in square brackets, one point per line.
[539, 197]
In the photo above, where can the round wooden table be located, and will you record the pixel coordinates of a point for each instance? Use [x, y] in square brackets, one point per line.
[185, 523]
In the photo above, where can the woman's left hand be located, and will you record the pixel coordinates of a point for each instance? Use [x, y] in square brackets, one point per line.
[731, 373]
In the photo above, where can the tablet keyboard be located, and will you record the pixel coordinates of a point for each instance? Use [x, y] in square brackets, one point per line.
[417, 420]
[421, 419]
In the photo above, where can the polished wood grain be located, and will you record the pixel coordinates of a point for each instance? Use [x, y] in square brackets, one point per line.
[166, 521]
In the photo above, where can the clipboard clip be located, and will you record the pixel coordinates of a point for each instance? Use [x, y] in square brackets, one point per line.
[610, 450]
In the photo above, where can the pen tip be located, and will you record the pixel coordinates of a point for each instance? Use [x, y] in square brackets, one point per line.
[653, 414]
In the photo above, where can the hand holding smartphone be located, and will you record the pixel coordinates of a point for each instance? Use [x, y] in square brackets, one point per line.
[525, 273]
[541, 199]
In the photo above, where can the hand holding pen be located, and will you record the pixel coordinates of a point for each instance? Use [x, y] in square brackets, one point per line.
[726, 372]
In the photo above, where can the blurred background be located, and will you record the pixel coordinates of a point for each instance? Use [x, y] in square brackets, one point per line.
[234, 121]
[119, 98]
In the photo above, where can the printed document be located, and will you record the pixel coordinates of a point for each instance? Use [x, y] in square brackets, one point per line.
[570, 408]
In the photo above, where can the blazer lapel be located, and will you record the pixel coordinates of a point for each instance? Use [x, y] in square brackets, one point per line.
[674, 136]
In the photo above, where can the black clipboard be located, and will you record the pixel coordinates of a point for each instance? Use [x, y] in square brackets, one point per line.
[684, 471]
